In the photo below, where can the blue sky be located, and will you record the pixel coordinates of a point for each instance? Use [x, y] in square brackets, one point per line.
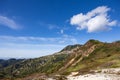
[33, 28]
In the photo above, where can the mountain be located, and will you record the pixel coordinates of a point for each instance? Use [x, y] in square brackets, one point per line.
[70, 47]
[5, 63]
[93, 55]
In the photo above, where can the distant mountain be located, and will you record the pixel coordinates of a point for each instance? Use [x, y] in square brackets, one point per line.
[81, 58]
[8, 62]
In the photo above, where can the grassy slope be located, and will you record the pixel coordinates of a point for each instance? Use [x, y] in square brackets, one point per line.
[46, 64]
[105, 56]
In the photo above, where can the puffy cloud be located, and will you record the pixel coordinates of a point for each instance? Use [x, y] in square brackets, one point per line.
[5, 21]
[93, 21]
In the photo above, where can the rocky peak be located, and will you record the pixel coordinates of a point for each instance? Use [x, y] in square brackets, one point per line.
[70, 47]
[92, 42]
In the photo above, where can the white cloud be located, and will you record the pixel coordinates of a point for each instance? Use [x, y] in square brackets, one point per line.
[52, 26]
[74, 41]
[61, 31]
[43, 40]
[29, 47]
[14, 50]
[5, 21]
[93, 21]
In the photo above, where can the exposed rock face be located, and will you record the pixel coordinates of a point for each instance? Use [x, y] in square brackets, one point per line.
[79, 52]
[96, 76]
[103, 74]
[111, 71]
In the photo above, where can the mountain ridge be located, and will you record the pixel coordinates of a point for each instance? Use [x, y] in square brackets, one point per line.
[81, 58]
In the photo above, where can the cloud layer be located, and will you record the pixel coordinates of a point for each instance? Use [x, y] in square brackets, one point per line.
[94, 21]
[30, 46]
[16, 50]
[5, 21]
[65, 39]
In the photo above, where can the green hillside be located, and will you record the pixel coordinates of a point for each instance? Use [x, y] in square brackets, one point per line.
[106, 55]
[81, 58]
